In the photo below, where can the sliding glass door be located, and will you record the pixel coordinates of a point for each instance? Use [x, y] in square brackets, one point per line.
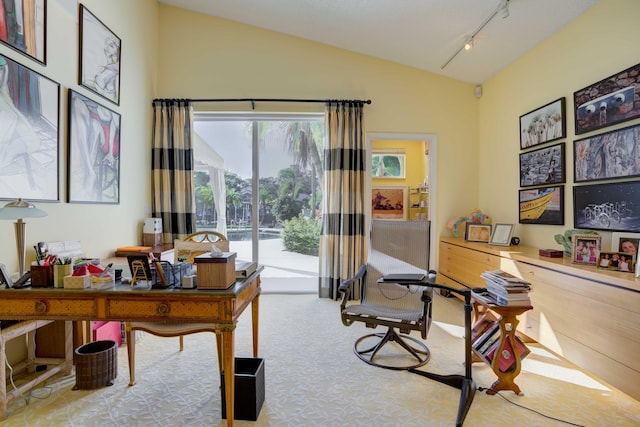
[258, 181]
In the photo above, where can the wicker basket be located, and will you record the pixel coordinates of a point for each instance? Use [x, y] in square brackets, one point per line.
[96, 364]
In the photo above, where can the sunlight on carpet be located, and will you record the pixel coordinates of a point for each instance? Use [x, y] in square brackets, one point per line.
[313, 378]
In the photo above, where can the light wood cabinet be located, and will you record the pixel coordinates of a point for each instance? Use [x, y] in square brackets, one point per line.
[588, 315]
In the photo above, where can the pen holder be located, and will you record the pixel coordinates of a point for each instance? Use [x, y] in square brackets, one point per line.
[41, 276]
[59, 271]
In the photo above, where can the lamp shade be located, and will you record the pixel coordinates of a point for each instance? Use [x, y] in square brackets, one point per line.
[20, 209]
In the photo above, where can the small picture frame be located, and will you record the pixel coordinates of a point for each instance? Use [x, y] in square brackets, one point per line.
[477, 232]
[138, 273]
[627, 243]
[585, 249]
[501, 235]
[617, 261]
[5, 277]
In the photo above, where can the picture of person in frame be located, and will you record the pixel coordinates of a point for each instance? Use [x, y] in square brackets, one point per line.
[629, 246]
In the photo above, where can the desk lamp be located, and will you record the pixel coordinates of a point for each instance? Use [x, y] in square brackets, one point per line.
[19, 210]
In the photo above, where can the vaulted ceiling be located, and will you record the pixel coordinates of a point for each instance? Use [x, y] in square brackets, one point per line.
[421, 33]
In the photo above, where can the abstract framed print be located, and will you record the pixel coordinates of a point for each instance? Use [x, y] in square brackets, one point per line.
[94, 152]
[609, 155]
[25, 28]
[100, 57]
[29, 134]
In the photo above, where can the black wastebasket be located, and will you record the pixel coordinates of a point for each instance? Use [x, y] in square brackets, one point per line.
[249, 389]
[96, 364]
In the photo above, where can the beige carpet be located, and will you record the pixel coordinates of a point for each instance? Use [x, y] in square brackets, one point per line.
[314, 379]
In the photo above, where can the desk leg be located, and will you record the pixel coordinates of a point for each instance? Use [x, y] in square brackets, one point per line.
[3, 381]
[229, 373]
[68, 347]
[131, 352]
[255, 305]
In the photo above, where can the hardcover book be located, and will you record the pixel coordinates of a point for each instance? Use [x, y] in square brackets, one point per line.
[507, 357]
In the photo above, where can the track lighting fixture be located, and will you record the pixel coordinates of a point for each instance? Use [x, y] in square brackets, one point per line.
[502, 9]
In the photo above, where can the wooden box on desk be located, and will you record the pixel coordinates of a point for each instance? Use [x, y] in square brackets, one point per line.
[216, 271]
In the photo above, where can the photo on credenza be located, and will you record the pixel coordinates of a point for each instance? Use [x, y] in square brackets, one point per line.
[617, 261]
[585, 248]
[612, 100]
[610, 207]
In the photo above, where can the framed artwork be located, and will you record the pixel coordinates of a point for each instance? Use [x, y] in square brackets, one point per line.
[612, 100]
[585, 249]
[543, 205]
[29, 120]
[477, 232]
[94, 152]
[611, 207]
[617, 261]
[543, 166]
[501, 234]
[25, 24]
[389, 203]
[99, 57]
[610, 155]
[544, 124]
[388, 165]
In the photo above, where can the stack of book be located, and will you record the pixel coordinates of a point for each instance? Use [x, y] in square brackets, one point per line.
[507, 289]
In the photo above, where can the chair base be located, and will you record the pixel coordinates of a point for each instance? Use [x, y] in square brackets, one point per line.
[418, 349]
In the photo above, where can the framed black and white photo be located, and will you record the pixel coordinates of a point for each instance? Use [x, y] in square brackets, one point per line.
[94, 152]
[29, 129]
[543, 166]
[544, 124]
[501, 234]
[612, 100]
[611, 207]
[100, 57]
[543, 205]
[25, 28]
[609, 155]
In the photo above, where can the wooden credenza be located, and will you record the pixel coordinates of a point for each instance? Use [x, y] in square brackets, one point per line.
[588, 315]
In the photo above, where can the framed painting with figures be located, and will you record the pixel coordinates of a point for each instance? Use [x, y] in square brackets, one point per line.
[389, 203]
[544, 124]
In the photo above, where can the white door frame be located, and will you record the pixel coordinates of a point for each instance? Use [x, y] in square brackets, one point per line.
[433, 149]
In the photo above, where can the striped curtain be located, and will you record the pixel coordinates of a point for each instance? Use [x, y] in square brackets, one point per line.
[342, 237]
[172, 184]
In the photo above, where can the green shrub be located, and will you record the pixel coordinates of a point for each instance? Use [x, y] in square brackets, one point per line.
[301, 235]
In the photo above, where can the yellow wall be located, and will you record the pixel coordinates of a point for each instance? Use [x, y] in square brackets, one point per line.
[100, 228]
[209, 57]
[600, 43]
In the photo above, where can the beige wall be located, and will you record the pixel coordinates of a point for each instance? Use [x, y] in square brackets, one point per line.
[600, 43]
[208, 57]
[100, 228]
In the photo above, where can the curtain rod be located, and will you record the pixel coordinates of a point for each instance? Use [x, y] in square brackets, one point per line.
[254, 100]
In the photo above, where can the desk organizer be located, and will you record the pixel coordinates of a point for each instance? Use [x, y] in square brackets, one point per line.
[96, 364]
[41, 276]
[171, 274]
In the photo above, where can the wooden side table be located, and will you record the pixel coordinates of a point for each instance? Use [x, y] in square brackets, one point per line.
[508, 322]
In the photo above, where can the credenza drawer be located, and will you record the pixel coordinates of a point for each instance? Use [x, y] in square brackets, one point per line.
[68, 308]
[135, 309]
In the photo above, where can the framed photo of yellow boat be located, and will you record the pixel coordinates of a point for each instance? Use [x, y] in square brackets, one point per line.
[543, 205]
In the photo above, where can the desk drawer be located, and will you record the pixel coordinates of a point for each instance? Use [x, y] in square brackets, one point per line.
[137, 309]
[68, 308]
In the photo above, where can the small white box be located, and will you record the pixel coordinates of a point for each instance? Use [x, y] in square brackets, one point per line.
[152, 225]
[189, 282]
[77, 282]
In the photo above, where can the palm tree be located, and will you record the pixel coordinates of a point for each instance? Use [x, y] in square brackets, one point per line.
[304, 141]
[234, 198]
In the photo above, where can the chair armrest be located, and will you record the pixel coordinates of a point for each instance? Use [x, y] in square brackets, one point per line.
[345, 287]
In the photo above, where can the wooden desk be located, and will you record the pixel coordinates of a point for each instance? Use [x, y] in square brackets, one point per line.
[222, 307]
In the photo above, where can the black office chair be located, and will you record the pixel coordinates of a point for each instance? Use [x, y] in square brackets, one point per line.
[397, 247]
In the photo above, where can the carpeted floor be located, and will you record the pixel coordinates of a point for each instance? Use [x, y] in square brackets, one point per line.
[314, 379]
